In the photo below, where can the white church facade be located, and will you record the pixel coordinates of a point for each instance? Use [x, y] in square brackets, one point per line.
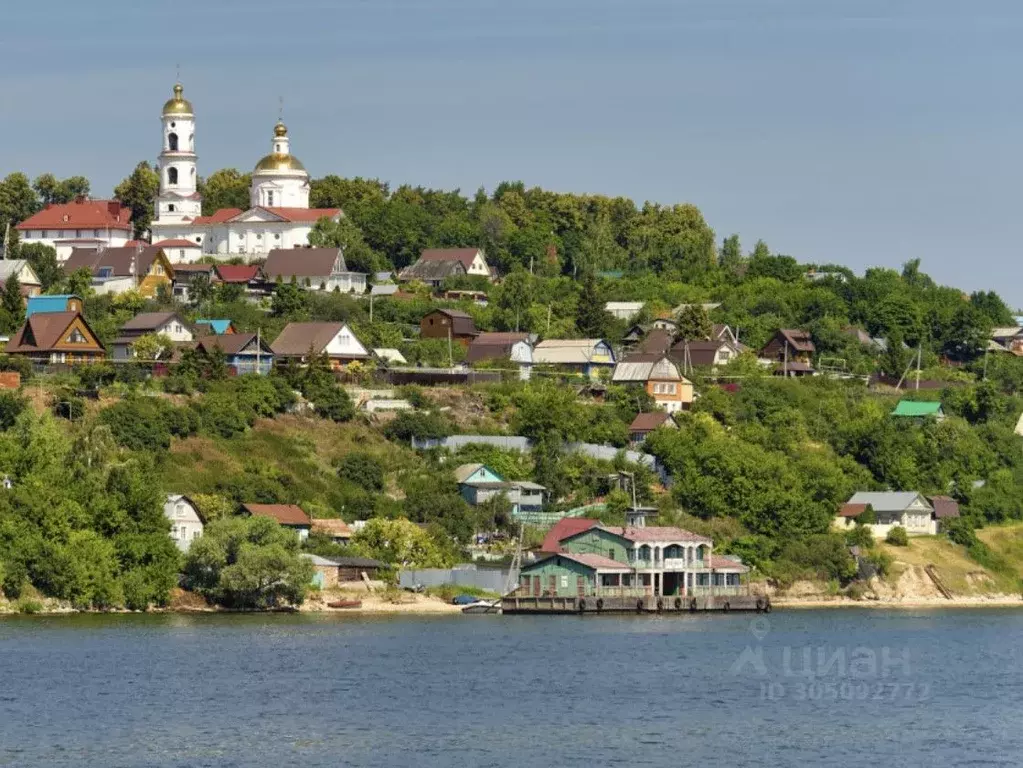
[279, 215]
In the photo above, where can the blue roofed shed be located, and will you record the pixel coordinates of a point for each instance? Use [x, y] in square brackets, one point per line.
[219, 326]
[58, 303]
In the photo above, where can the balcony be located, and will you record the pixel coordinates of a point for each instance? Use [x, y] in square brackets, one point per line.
[668, 564]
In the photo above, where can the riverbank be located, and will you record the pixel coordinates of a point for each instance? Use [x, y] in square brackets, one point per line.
[989, 601]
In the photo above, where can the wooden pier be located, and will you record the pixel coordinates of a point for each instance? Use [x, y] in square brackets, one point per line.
[617, 605]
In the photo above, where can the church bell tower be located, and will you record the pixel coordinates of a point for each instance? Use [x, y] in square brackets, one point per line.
[179, 198]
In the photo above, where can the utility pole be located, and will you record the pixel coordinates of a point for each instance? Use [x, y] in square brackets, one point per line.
[785, 365]
[548, 320]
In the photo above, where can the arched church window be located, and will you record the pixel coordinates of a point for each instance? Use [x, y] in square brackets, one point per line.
[191, 141]
[172, 142]
[277, 148]
[172, 176]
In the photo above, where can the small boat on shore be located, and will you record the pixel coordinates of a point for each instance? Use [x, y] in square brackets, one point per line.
[345, 604]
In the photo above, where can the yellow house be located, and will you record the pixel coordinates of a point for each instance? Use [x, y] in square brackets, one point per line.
[132, 267]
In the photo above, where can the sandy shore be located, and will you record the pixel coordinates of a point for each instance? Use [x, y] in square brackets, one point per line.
[992, 601]
[408, 603]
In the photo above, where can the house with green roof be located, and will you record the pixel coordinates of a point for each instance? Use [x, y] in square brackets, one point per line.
[915, 409]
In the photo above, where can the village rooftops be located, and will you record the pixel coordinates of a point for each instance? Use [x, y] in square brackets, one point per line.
[648, 422]
[237, 273]
[148, 322]
[297, 339]
[285, 263]
[645, 368]
[80, 214]
[285, 514]
[597, 562]
[885, 501]
[464, 256]
[230, 343]
[944, 507]
[573, 352]
[565, 528]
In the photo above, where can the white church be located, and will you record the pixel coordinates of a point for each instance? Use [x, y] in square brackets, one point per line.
[279, 215]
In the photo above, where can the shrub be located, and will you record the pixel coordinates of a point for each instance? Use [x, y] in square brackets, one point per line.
[220, 415]
[960, 532]
[363, 470]
[28, 605]
[897, 537]
[410, 424]
[867, 516]
[11, 406]
[860, 536]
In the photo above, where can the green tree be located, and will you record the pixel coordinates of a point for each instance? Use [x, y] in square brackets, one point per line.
[363, 470]
[288, 301]
[591, 318]
[400, 543]
[17, 200]
[731, 253]
[52, 190]
[12, 305]
[693, 323]
[248, 562]
[897, 537]
[43, 260]
[138, 191]
[344, 234]
[226, 188]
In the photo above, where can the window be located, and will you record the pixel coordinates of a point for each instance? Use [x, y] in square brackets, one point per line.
[270, 197]
[277, 147]
[564, 581]
[172, 175]
[611, 554]
[76, 337]
[172, 142]
[181, 253]
[277, 237]
[170, 208]
[158, 269]
[28, 234]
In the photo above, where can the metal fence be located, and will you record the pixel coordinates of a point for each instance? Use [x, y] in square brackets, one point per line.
[491, 579]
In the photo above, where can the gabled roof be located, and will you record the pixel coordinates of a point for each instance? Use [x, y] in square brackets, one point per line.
[916, 409]
[567, 351]
[303, 214]
[700, 352]
[219, 217]
[384, 289]
[592, 561]
[490, 345]
[462, 323]
[465, 256]
[1006, 333]
[303, 262]
[565, 527]
[285, 514]
[44, 332]
[797, 339]
[297, 338]
[217, 325]
[886, 501]
[237, 273]
[656, 342]
[432, 271]
[80, 214]
[944, 507]
[852, 510]
[10, 267]
[176, 243]
[651, 533]
[150, 321]
[643, 370]
[464, 471]
[127, 261]
[232, 344]
[648, 422]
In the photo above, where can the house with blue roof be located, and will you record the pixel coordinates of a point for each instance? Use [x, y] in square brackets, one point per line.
[58, 303]
[219, 326]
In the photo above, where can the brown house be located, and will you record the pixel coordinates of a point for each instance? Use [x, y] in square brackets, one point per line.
[148, 265]
[645, 423]
[336, 340]
[793, 350]
[55, 338]
[287, 515]
[494, 346]
[448, 323]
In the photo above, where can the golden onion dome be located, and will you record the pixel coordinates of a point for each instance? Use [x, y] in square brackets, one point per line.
[279, 162]
[178, 105]
[280, 130]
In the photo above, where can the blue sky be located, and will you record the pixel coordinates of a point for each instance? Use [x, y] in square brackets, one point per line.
[864, 133]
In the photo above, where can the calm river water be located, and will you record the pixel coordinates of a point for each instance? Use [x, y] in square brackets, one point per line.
[888, 688]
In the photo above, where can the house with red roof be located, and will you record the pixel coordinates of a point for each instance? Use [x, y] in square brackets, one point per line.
[587, 558]
[82, 223]
[287, 515]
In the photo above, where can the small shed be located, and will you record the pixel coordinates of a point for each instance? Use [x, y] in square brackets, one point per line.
[352, 568]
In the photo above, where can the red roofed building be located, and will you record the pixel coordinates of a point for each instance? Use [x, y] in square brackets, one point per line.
[278, 215]
[565, 527]
[288, 515]
[82, 223]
